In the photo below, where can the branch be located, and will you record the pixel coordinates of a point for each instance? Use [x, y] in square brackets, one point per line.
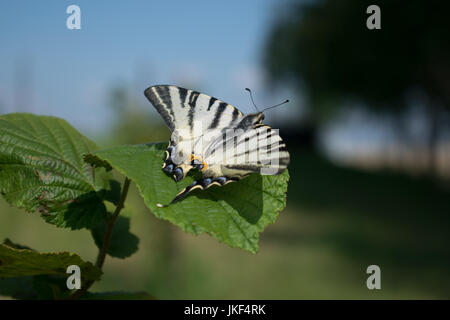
[107, 240]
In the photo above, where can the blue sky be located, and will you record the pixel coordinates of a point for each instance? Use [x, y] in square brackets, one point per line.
[215, 46]
[212, 46]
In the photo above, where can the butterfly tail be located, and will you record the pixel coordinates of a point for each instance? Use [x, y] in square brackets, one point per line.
[199, 184]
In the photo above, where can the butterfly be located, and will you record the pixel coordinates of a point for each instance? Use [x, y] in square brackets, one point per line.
[215, 138]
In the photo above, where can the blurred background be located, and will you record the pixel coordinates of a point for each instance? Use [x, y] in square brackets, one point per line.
[368, 129]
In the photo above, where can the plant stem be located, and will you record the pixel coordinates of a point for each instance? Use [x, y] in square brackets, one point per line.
[109, 227]
[107, 239]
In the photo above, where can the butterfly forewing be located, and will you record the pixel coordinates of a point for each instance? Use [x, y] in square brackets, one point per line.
[182, 108]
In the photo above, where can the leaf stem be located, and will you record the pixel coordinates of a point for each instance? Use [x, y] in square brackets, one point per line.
[107, 239]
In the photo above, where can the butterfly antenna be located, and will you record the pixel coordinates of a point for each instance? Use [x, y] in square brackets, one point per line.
[277, 105]
[251, 97]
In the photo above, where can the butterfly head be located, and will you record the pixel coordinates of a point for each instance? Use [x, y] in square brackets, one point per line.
[251, 120]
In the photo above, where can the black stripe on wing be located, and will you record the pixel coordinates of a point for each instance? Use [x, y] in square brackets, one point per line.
[159, 96]
[183, 93]
[201, 184]
[220, 109]
[212, 100]
[192, 103]
[244, 167]
[236, 114]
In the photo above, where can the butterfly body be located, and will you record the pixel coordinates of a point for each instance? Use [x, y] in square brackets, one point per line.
[215, 138]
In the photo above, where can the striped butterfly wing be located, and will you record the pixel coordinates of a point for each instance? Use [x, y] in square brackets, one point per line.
[181, 108]
[259, 149]
[216, 138]
[236, 154]
[189, 115]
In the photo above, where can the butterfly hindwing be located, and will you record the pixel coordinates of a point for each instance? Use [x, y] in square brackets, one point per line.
[258, 149]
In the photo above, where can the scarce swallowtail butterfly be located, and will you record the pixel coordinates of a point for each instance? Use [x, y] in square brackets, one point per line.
[215, 138]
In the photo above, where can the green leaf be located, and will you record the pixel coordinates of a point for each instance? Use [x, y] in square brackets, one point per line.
[235, 213]
[35, 287]
[117, 296]
[123, 243]
[24, 262]
[18, 288]
[49, 287]
[113, 193]
[42, 169]
[96, 162]
[11, 244]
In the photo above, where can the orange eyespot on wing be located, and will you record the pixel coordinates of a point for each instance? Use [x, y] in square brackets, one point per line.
[197, 162]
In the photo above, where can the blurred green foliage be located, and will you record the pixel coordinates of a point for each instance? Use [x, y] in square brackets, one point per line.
[326, 46]
[133, 122]
[338, 222]
[325, 49]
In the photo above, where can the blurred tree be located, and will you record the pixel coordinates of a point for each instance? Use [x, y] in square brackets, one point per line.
[326, 47]
[134, 122]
